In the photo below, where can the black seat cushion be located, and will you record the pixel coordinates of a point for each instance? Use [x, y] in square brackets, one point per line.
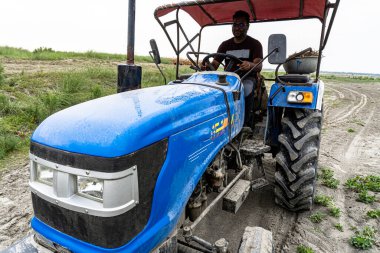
[295, 78]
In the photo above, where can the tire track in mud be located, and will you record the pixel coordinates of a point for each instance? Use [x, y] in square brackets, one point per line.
[352, 110]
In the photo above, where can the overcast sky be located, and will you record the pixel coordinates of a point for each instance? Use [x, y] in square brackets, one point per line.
[99, 25]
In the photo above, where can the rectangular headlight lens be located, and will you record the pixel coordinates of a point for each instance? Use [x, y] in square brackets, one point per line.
[44, 174]
[91, 188]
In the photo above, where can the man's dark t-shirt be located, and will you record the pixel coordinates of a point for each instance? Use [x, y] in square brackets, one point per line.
[247, 50]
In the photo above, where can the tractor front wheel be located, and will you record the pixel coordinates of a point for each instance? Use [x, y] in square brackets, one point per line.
[297, 160]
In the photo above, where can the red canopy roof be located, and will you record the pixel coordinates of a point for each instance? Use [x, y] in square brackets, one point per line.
[208, 12]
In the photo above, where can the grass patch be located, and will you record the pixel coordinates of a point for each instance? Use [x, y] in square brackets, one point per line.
[339, 227]
[317, 217]
[335, 212]
[350, 130]
[2, 78]
[8, 143]
[374, 214]
[359, 183]
[304, 249]
[331, 183]
[364, 239]
[323, 200]
[48, 54]
[327, 178]
[365, 197]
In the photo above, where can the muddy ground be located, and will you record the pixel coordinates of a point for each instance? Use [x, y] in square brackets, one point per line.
[354, 106]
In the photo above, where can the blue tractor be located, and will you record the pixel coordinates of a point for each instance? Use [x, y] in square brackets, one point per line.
[122, 173]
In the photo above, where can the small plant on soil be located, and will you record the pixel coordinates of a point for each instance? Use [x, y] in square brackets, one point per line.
[328, 179]
[323, 200]
[364, 239]
[359, 183]
[374, 214]
[318, 217]
[350, 130]
[335, 212]
[304, 249]
[331, 183]
[366, 198]
[362, 185]
[339, 227]
[326, 173]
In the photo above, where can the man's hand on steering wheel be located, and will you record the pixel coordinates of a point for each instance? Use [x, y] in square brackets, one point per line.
[233, 60]
[246, 65]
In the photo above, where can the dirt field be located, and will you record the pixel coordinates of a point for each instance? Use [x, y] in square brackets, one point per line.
[350, 146]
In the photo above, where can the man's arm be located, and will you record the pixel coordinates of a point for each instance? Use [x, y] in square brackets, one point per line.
[247, 65]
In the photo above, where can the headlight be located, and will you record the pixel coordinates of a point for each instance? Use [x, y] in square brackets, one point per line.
[91, 188]
[44, 174]
[303, 97]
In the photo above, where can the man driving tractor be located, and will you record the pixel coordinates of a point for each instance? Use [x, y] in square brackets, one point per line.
[250, 51]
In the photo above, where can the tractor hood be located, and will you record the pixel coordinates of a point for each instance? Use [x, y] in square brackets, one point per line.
[120, 124]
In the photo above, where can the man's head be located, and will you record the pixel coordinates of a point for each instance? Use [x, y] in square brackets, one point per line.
[240, 25]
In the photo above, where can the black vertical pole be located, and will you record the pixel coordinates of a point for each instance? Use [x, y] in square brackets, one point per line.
[131, 32]
[129, 75]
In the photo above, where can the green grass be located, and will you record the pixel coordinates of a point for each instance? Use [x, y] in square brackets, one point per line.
[359, 183]
[1, 74]
[48, 54]
[331, 183]
[335, 212]
[350, 130]
[317, 217]
[27, 98]
[327, 178]
[365, 197]
[374, 214]
[364, 239]
[323, 200]
[304, 249]
[350, 79]
[326, 173]
[339, 227]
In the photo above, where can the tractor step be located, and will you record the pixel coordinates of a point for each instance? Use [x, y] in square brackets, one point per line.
[254, 148]
[236, 196]
[259, 183]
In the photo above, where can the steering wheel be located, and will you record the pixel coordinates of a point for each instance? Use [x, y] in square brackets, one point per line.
[233, 61]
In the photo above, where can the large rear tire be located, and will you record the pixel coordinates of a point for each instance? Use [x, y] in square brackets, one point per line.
[297, 160]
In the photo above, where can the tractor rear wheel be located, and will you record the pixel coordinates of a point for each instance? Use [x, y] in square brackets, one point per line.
[297, 160]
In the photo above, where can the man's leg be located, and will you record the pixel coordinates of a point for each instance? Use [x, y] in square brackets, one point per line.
[249, 88]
